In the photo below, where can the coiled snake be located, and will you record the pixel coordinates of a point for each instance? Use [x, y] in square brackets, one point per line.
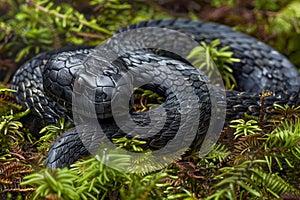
[46, 82]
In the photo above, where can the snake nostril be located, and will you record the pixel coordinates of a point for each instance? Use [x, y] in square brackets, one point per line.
[103, 96]
[100, 95]
[78, 84]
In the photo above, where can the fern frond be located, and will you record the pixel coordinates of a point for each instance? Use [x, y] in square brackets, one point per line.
[249, 179]
[59, 182]
[10, 177]
[283, 144]
[7, 101]
[209, 58]
[51, 132]
[273, 183]
[284, 113]
[219, 153]
[244, 127]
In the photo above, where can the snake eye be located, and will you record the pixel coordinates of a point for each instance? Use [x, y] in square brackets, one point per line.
[78, 84]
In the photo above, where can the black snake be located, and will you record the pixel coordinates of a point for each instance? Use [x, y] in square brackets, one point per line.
[45, 84]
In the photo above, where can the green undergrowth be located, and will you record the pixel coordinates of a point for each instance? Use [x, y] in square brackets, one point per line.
[255, 158]
[254, 163]
[279, 21]
[275, 22]
[29, 27]
[214, 62]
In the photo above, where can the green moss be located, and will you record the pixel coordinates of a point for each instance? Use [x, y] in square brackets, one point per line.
[251, 160]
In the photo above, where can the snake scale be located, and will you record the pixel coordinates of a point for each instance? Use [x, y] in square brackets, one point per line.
[45, 84]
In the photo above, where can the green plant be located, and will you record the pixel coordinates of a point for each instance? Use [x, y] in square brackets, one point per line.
[88, 179]
[283, 145]
[10, 133]
[129, 144]
[145, 99]
[219, 153]
[51, 132]
[11, 175]
[271, 5]
[226, 172]
[285, 22]
[250, 161]
[97, 178]
[247, 179]
[150, 186]
[218, 3]
[59, 182]
[39, 25]
[285, 112]
[209, 59]
[7, 101]
[244, 127]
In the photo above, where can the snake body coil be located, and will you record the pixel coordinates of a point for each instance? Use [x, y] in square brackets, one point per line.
[46, 82]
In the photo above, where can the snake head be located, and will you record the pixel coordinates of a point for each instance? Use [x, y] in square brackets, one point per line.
[92, 95]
